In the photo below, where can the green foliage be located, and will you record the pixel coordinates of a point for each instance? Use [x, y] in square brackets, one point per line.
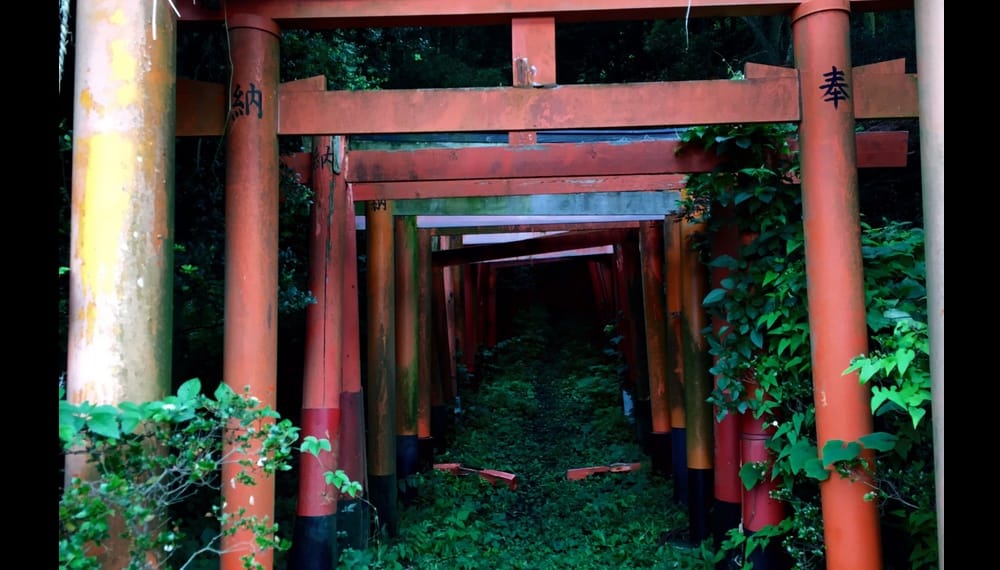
[548, 403]
[142, 459]
[762, 355]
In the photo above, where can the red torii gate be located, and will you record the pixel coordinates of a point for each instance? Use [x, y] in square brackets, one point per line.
[121, 242]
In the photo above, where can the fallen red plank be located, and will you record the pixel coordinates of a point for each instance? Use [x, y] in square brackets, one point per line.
[584, 472]
[492, 475]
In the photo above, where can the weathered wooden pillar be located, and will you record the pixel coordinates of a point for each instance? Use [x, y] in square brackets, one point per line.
[443, 382]
[353, 515]
[451, 325]
[251, 297]
[407, 348]
[425, 350]
[381, 411]
[697, 384]
[837, 325]
[315, 536]
[651, 254]
[929, 16]
[122, 222]
[457, 297]
[672, 244]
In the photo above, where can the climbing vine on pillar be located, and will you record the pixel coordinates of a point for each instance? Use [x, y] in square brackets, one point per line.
[763, 360]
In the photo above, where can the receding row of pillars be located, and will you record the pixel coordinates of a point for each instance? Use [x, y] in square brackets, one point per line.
[121, 262]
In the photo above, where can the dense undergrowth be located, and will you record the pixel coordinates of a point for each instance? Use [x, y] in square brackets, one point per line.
[544, 402]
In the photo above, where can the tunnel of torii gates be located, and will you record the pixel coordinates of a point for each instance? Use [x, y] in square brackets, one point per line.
[428, 295]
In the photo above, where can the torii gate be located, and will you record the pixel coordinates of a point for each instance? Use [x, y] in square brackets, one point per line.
[125, 122]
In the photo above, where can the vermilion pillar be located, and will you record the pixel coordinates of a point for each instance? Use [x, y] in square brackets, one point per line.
[929, 17]
[314, 539]
[442, 394]
[451, 317]
[425, 349]
[727, 484]
[121, 246]
[251, 297]
[651, 254]
[838, 331]
[628, 292]
[491, 305]
[353, 516]
[697, 384]
[407, 342]
[381, 411]
[672, 243]
[459, 315]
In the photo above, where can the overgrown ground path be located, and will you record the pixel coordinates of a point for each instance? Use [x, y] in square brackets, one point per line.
[544, 402]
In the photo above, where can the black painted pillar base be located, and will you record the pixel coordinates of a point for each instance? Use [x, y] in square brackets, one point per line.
[678, 459]
[659, 452]
[439, 427]
[725, 516]
[425, 453]
[643, 423]
[407, 463]
[701, 485]
[314, 543]
[384, 495]
[353, 524]
[771, 557]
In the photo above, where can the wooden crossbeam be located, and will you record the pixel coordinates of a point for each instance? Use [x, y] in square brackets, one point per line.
[550, 168]
[560, 242]
[653, 104]
[201, 107]
[649, 203]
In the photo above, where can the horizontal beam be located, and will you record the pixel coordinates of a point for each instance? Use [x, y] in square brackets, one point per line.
[313, 14]
[653, 104]
[649, 203]
[527, 226]
[535, 246]
[440, 189]
[201, 106]
[527, 161]
[430, 173]
[886, 148]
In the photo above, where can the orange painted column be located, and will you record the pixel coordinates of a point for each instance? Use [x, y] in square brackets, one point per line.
[837, 326]
[381, 409]
[726, 511]
[629, 297]
[651, 254]
[122, 215]
[483, 320]
[697, 384]
[672, 244]
[407, 350]
[251, 299]
[459, 314]
[425, 350]
[600, 283]
[314, 538]
[353, 514]
[449, 275]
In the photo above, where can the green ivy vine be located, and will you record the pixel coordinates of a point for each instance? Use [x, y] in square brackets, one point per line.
[762, 360]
